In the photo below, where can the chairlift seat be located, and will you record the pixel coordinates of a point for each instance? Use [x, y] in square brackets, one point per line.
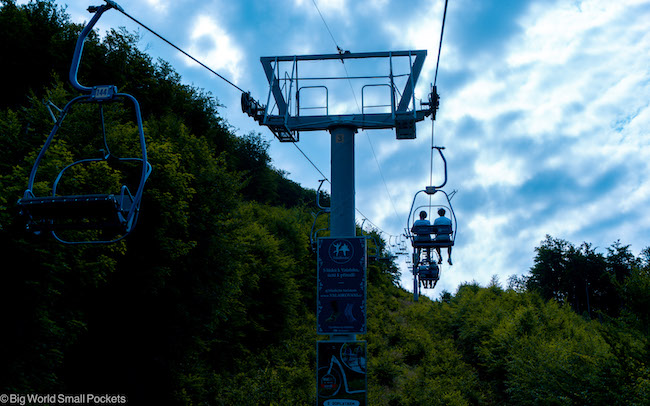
[429, 272]
[425, 230]
[76, 212]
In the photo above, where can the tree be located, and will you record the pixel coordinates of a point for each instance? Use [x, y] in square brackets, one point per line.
[581, 277]
[549, 272]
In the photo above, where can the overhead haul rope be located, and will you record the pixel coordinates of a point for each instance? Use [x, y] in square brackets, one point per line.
[326, 26]
[435, 78]
[442, 31]
[181, 51]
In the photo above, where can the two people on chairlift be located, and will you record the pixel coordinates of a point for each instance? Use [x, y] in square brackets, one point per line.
[429, 275]
[440, 221]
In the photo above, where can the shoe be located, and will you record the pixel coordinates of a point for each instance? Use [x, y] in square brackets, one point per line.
[449, 260]
[440, 261]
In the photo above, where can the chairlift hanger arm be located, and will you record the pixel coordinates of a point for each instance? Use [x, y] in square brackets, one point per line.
[433, 189]
[324, 209]
[76, 59]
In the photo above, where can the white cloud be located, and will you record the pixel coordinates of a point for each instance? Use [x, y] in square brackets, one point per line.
[498, 171]
[378, 4]
[160, 6]
[595, 62]
[421, 31]
[212, 45]
[332, 6]
[385, 148]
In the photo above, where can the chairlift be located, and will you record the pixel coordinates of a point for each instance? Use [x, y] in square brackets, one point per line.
[392, 241]
[111, 215]
[401, 246]
[373, 249]
[433, 236]
[421, 235]
[427, 273]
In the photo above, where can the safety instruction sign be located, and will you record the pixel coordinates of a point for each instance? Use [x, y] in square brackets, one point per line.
[342, 379]
[341, 307]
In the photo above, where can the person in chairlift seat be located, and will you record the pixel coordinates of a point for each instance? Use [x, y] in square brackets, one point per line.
[423, 237]
[443, 221]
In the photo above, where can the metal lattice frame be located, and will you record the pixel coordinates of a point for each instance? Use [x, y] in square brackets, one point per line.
[286, 124]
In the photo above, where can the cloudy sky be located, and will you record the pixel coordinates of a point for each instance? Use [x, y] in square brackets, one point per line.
[544, 110]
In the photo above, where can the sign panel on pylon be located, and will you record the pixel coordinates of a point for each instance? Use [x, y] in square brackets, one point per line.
[341, 307]
[342, 379]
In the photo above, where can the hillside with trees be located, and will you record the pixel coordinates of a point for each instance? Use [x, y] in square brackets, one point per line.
[211, 300]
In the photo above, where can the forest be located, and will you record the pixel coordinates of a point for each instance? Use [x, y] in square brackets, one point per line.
[211, 299]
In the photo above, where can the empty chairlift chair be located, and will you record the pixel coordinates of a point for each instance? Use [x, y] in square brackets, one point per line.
[110, 214]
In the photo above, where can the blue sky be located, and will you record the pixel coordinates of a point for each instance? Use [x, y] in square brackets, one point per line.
[544, 110]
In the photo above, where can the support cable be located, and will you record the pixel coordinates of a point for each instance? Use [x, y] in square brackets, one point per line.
[326, 26]
[311, 162]
[431, 157]
[435, 78]
[442, 31]
[181, 51]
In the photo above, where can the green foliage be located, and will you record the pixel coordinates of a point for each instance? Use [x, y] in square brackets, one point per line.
[636, 293]
[486, 345]
[588, 281]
